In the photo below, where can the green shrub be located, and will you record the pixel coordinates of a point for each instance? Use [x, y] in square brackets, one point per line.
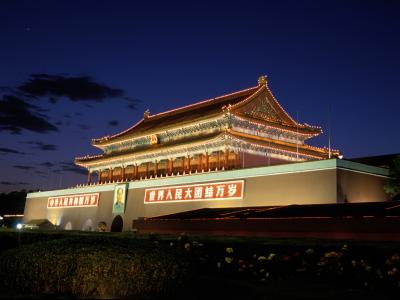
[94, 267]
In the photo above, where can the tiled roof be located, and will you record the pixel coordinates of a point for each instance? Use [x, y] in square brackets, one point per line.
[182, 114]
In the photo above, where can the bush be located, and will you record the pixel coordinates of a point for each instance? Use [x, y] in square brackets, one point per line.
[96, 267]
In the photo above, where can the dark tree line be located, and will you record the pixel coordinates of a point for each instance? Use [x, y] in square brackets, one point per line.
[12, 202]
[392, 187]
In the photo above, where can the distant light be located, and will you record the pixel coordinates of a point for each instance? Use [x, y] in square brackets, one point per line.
[1, 218]
[19, 226]
[340, 156]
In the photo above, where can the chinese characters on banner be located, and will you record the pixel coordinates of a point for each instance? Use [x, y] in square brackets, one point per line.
[196, 192]
[81, 200]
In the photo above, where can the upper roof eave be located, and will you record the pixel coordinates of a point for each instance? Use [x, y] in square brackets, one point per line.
[302, 129]
[198, 105]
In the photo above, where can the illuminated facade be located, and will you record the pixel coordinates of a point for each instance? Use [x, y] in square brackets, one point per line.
[236, 150]
[248, 128]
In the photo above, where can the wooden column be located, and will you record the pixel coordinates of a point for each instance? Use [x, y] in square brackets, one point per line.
[200, 166]
[237, 160]
[207, 161]
[123, 173]
[218, 159]
[99, 177]
[89, 179]
[189, 166]
[110, 174]
[226, 160]
[183, 163]
[171, 166]
[147, 169]
[155, 168]
[136, 171]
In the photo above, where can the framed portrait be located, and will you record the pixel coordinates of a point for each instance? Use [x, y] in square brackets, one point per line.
[119, 199]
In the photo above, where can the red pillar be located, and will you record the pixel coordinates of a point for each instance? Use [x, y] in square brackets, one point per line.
[110, 175]
[122, 173]
[99, 177]
[200, 165]
[155, 168]
[89, 179]
[207, 161]
[226, 160]
[147, 169]
[135, 171]
[237, 156]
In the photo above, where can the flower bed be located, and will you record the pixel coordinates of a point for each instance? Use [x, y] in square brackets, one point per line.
[353, 267]
[129, 265]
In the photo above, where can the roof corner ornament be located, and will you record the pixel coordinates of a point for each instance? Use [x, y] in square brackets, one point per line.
[146, 114]
[262, 80]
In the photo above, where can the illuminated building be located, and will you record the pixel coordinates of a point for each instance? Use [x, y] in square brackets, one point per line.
[237, 150]
[248, 128]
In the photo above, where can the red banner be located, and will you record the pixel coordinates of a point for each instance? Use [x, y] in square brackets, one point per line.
[80, 200]
[196, 192]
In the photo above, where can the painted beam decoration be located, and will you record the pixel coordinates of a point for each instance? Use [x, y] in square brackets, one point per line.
[79, 200]
[227, 190]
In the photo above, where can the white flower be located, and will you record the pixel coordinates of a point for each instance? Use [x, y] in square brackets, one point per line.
[229, 250]
[228, 260]
[262, 258]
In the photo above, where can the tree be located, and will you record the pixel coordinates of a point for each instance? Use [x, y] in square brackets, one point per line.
[12, 202]
[392, 187]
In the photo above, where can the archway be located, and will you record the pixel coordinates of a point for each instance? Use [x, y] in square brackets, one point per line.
[88, 225]
[68, 226]
[117, 224]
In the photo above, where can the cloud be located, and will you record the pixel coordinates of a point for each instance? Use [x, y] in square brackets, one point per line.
[16, 114]
[133, 102]
[42, 146]
[132, 106]
[47, 164]
[40, 172]
[83, 127]
[70, 167]
[82, 88]
[23, 167]
[12, 183]
[113, 123]
[12, 151]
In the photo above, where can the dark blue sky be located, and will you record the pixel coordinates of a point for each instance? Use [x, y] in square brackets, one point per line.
[316, 54]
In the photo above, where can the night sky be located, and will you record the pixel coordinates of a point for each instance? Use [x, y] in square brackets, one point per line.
[71, 71]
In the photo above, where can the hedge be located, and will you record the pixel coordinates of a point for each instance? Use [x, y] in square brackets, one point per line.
[95, 268]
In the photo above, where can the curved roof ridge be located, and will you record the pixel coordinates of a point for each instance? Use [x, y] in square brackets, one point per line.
[202, 102]
[249, 98]
[107, 137]
[196, 105]
[294, 122]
